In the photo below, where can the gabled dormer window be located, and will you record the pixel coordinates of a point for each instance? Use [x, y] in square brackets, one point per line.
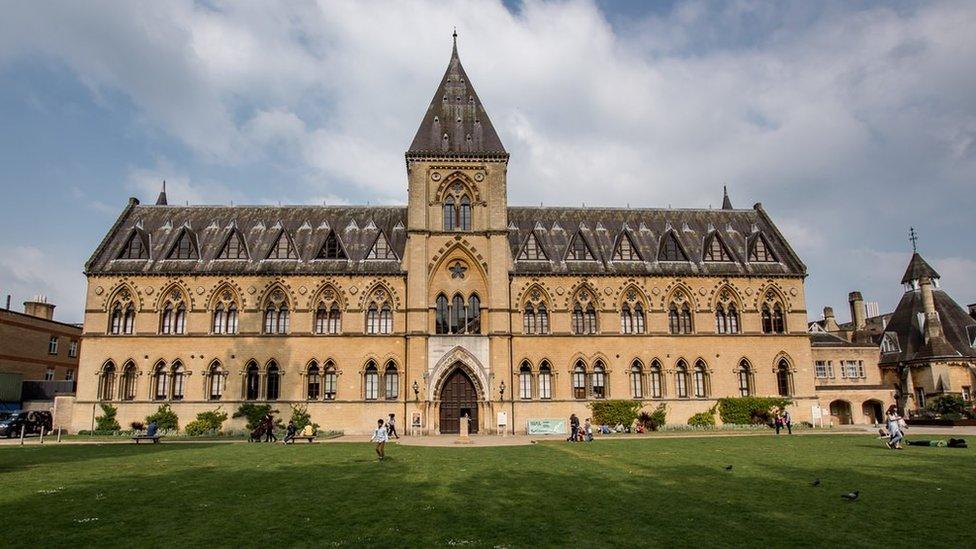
[715, 250]
[234, 247]
[579, 250]
[185, 247]
[283, 248]
[381, 249]
[332, 248]
[625, 250]
[889, 343]
[760, 251]
[670, 249]
[135, 248]
[971, 332]
[532, 250]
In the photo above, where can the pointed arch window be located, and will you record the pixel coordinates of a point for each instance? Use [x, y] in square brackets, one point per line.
[579, 250]
[332, 248]
[391, 381]
[442, 314]
[625, 250]
[381, 249]
[273, 382]
[599, 383]
[328, 316]
[449, 213]
[632, 319]
[670, 249]
[529, 320]
[330, 381]
[745, 378]
[129, 381]
[779, 322]
[172, 321]
[656, 384]
[371, 381]
[681, 379]
[252, 382]
[123, 316]
[178, 381]
[464, 213]
[773, 320]
[313, 383]
[185, 247]
[474, 315]
[545, 381]
[715, 250]
[784, 378]
[726, 319]
[525, 381]
[215, 381]
[760, 251]
[457, 314]
[579, 380]
[234, 247]
[532, 250]
[277, 317]
[135, 247]
[542, 318]
[679, 318]
[701, 379]
[106, 389]
[636, 379]
[584, 316]
[225, 314]
[159, 382]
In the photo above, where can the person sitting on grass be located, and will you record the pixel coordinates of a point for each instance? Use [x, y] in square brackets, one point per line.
[290, 433]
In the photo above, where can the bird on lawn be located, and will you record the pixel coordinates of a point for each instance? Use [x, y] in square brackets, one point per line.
[728, 467]
[851, 496]
[815, 482]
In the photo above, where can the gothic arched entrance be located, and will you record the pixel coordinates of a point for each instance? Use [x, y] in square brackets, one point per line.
[458, 397]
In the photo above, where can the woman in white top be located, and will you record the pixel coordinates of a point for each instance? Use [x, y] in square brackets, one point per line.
[380, 436]
[894, 422]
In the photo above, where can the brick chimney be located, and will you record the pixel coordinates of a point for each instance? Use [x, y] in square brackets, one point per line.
[830, 322]
[39, 307]
[857, 309]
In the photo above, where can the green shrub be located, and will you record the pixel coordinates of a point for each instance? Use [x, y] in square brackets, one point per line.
[703, 419]
[300, 417]
[165, 418]
[948, 406]
[206, 423]
[654, 420]
[750, 410]
[254, 414]
[612, 412]
[107, 421]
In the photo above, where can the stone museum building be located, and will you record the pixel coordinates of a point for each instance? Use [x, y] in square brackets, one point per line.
[454, 304]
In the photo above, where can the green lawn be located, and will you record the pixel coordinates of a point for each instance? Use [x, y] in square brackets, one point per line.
[625, 492]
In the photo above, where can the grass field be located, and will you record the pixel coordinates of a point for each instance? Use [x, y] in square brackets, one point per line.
[660, 492]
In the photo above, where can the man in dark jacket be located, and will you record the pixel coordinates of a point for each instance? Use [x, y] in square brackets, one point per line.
[269, 425]
[573, 428]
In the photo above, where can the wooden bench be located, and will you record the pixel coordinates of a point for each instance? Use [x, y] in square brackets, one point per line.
[309, 438]
[154, 438]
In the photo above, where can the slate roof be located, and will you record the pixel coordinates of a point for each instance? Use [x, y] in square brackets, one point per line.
[907, 322]
[456, 123]
[917, 268]
[601, 228]
[824, 339]
[357, 227]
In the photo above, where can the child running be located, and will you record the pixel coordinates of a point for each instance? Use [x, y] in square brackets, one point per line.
[380, 436]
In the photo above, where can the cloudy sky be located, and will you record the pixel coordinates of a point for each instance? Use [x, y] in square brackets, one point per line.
[849, 121]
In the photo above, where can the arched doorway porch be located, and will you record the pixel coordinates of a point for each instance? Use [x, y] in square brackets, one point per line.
[457, 396]
[873, 411]
[840, 411]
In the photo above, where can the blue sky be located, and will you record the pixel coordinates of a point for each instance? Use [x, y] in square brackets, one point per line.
[849, 121]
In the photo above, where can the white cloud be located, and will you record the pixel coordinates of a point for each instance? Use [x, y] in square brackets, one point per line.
[27, 271]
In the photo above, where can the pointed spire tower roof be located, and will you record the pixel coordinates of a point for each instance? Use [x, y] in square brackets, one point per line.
[161, 199]
[726, 203]
[456, 123]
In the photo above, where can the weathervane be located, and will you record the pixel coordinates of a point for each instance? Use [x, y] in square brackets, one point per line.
[913, 236]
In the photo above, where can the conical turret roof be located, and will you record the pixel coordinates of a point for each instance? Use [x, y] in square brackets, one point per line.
[456, 123]
[917, 268]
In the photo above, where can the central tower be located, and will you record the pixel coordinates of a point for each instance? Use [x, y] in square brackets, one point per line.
[457, 257]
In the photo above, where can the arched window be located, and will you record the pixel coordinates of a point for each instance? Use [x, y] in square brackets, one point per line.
[129, 381]
[767, 319]
[545, 381]
[215, 382]
[784, 378]
[679, 318]
[636, 380]
[329, 389]
[335, 319]
[218, 319]
[732, 315]
[129, 319]
[173, 318]
[721, 320]
[107, 389]
[590, 319]
[379, 315]
[386, 319]
[745, 378]
[657, 387]
[327, 318]
[276, 314]
[273, 382]
[457, 315]
[372, 319]
[525, 381]
[639, 324]
[673, 319]
[465, 213]
[391, 381]
[449, 214]
[579, 380]
[701, 379]
[528, 320]
[779, 322]
[252, 382]
[474, 315]
[225, 313]
[313, 384]
[115, 322]
[626, 320]
[578, 319]
[543, 319]
[371, 381]
[178, 381]
[681, 379]
[159, 382]
[599, 380]
[442, 322]
[321, 318]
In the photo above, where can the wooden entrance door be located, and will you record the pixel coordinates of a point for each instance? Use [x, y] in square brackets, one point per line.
[458, 397]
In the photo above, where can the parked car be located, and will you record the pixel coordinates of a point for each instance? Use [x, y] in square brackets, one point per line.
[33, 422]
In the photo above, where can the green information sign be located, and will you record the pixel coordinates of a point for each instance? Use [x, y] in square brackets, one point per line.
[547, 427]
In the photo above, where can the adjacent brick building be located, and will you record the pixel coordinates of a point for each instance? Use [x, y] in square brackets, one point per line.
[36, 346]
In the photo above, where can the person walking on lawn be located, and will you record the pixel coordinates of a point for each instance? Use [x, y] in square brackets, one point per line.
[573, 428]
[788, 421]
[895, 425]
[380, 436]
[269, 426]
[391, 427]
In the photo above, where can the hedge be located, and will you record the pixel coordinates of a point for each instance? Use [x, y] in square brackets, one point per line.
[750, 410]
[613, 412]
